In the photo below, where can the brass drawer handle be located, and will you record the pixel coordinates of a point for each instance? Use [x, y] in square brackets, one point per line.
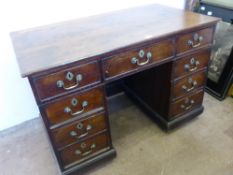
[196, 38]
[192, 82]
[70, 77]
[80, 153]
[187, 68]
[193, 69]
[79, 126]
[68, 110]
[190, 43]
[194, 62]
[141, 54]
[190, 105]
[187, 89]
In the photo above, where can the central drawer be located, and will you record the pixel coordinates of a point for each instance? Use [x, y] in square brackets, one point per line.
[74, 105]
[132, 60]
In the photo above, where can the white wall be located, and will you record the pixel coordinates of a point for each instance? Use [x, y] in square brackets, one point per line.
[16, 99]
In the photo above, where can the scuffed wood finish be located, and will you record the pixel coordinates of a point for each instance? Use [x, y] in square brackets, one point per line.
[50, 46]
[177, 109]
[70, 157]
[46, 86]
[101, 48]
[84, 128]
[191, 83]
[182, 41]
[121, 63]
[179, 66]
[55, 111]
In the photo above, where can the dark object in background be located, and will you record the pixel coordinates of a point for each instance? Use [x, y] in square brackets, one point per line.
[221, 50]
[220, 75]
[220, 88]
[218, 8]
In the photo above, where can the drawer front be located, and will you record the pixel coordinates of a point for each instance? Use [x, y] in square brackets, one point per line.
[191, 63]
[74, 105]
[188, 84]
[194, 40]
[77, 152]
[187, 103]
[79, 130]
[132, 60]
[67, 80]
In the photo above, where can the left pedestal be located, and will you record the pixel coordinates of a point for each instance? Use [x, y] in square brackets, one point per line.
[73, 107]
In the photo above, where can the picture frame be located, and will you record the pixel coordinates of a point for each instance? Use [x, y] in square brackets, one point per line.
[220, 88]
[220, 70]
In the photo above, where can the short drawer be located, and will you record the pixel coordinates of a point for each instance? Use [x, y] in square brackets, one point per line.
[186, 104]
[67, 80]
[191, 63]
[134, 59]
[193, 40]
[79, 130]
[190, 83]
[73, 105]
[84, 150]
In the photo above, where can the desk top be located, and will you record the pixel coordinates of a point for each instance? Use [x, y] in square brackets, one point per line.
[58, 44]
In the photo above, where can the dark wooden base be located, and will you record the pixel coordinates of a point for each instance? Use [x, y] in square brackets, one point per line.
[82, 166]
[161, 121]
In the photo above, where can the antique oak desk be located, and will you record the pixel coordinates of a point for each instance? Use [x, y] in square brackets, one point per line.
[158, 54]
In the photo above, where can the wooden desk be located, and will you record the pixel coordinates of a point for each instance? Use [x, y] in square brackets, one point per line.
[159, 55]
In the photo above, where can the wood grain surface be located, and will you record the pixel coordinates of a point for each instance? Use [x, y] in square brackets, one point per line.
[54, 45]
[62, 136]
[121, 63]
[176, 107]
[46, 86]
[55, 110]
[182, 41]
[69, 155]
[199, 78]
[202, 57]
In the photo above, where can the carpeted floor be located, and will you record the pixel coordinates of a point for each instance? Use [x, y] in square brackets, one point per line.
[204, 146]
